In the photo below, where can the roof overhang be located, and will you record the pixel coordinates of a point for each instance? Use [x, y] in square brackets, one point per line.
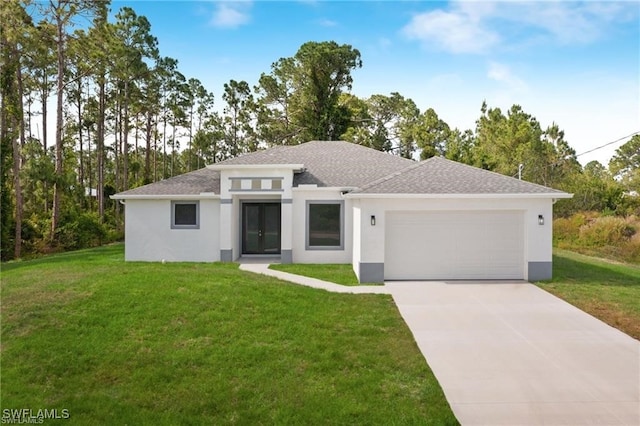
[554, 195]
[201, 196]
[220, 167]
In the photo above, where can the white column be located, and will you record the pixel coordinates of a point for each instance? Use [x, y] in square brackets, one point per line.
[226, 230]
[286, 231]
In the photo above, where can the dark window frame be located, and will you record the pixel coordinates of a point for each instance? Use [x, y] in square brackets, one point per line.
[195, 225]
[308, 209]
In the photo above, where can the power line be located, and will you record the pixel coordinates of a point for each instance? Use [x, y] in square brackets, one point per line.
[609, 143]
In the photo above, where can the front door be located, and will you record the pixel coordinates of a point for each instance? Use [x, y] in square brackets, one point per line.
[261, 228]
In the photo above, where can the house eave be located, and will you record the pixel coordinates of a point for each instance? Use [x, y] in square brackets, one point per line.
[307, 187]
[553, 195]
[221, 167]
[201, 196]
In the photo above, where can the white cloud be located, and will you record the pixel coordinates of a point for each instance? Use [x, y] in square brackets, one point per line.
[503, 74]
[478, 26]
[231, 14]
[456, 31]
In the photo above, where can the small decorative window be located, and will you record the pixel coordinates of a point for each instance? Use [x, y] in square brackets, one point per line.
[325, 225]
[185, 214]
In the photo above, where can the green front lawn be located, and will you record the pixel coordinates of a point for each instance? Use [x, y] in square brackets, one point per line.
[337, 273]
[147, 343]
[607, 290]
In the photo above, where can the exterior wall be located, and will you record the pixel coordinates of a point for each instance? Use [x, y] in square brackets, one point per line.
[537, 250]
[300, 254]
[149, 237]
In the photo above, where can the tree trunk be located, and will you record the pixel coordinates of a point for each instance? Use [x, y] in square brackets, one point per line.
[57, 186]
[125, 138]
[147, 154]
[100, 147]
[45, 94]
[17, 161]
[45, 184]
[80, 142]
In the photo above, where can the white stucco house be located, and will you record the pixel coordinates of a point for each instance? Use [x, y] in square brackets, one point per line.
[337, 202]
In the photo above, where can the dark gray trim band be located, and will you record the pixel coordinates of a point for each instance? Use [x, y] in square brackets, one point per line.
[286, 256]
[256, 190]
[539, 271]
[226, 201]
[226, 255]
[255, 177]
[371, 272]
[286, 201]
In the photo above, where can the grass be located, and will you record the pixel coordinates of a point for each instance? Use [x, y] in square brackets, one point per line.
[337, 273]
[607, 290]
[147, 343]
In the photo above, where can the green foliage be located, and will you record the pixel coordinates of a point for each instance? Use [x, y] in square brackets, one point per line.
[431, 134]
[299, 99]
[599, 234]
[385, 123]
[84, 230]
[625, 164]
[593, 189]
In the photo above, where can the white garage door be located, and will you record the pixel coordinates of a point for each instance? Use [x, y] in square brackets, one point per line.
[454, 245]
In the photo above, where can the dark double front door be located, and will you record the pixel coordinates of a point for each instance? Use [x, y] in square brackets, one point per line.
[261, 228]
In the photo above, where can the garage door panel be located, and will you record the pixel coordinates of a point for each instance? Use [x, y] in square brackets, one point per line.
[454, 245]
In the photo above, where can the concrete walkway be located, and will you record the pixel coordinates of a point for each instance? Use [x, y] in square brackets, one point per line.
[263, 268]
[511, 353]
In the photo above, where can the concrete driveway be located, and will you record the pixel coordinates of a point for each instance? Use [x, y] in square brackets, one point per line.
[512, 354]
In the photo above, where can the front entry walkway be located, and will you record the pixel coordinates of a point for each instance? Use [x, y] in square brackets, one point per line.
[511, 353]
[263, 268]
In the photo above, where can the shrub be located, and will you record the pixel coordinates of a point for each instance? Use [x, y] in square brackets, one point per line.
[85, 230]
[608, 230]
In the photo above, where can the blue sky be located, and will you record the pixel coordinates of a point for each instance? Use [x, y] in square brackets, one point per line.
[575, 63]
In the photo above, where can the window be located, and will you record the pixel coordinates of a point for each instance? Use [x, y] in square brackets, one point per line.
[185, 214]
[325, 225]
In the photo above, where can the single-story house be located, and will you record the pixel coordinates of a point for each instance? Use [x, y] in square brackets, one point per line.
[337, 202]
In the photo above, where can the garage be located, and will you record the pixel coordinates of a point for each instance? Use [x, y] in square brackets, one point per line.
[451, 245]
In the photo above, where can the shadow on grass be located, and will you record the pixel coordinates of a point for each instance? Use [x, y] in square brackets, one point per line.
[573, 269]
[110, 252]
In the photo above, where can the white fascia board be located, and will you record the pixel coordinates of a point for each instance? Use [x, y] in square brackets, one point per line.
[314, 188]
[221, 167]
[201, 196]
[461, 196]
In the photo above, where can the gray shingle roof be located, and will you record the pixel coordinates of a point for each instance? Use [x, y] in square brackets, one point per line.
[330, 163]
[344, 164]
[441, 176]
[192, 183]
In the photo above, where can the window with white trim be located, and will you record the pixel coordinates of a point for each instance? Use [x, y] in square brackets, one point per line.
[325, 225]
[185, 215]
